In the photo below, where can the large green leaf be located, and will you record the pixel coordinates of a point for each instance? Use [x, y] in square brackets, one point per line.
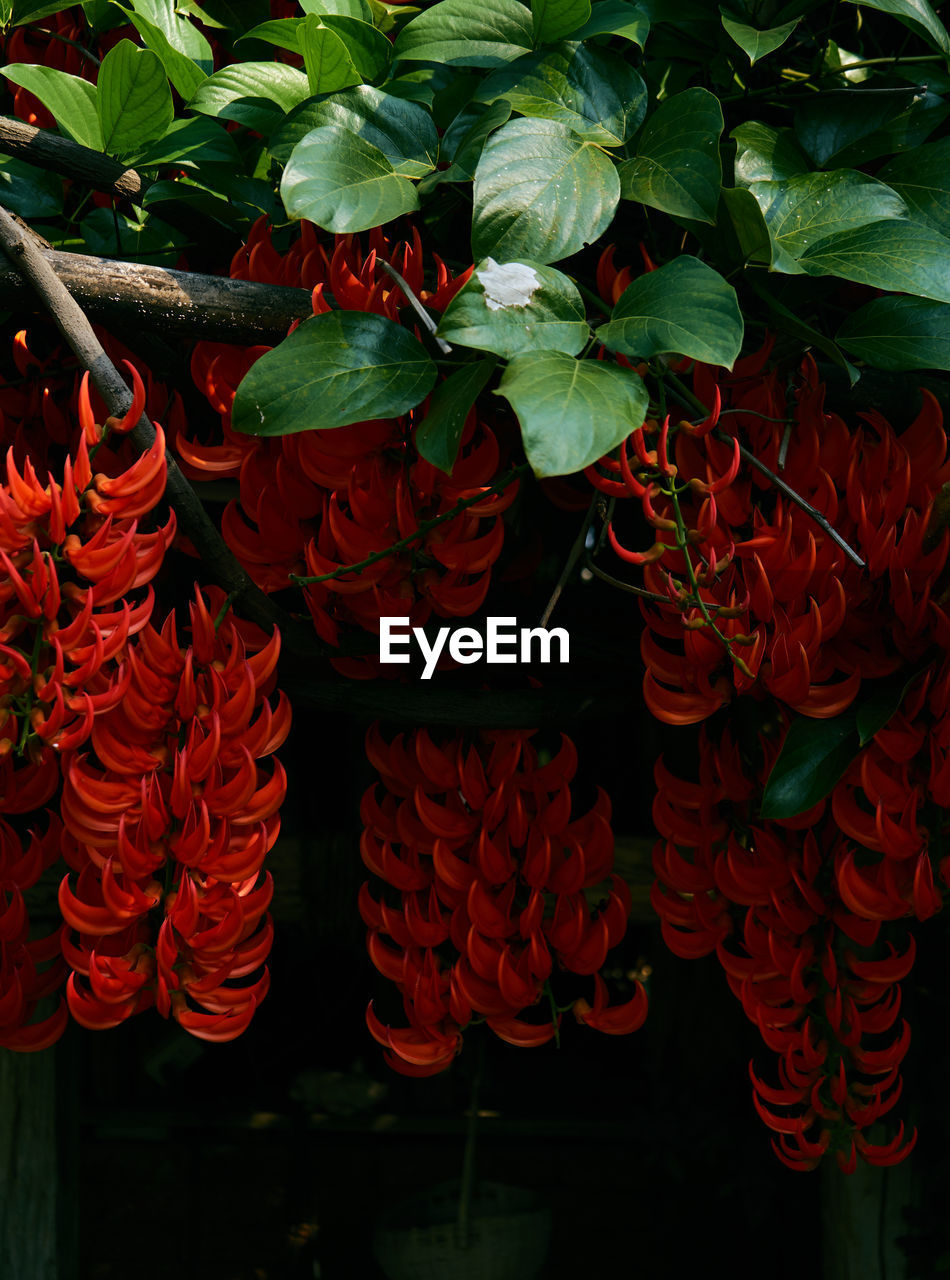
[23, 11]
[921, 177]
[403, 131]
[615, 18]
[341, 182]
[828, 124]
[676, 168]
[903, 257]
[326, 58]
[334, 369]
[899, 333]
[764, 154]
[592, 91]
[516, 307]
[189, 144]
[284, 33]
[133, 98]
[368, 48]
[753, 242]
[28, 191]
[468, 33]
[571, 411]
[554, 19]
[181, 35]
[439, 434]
[804, 210]
[684, 307]
[910, 128]
[916, 14]
[184, 73]
[70, 99]
[273, 82]
[756, 44]
[110, 234]
[463, 142]
[343, 8]
[814, 757]
[541, 193]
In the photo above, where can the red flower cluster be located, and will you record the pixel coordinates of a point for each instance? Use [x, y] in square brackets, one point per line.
[771, 900]
[753, 576]
[314, 502]
[491, 879]
[177, 817]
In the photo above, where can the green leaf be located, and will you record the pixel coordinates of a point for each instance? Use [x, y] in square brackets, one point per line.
[30, 192]
[814, 757]
[149, 240]
[439, 434]
[571, 411]
[343, 183]
[764, 154]
[916, 14]
[921, 178]
[752, 235]
[464, 141]
[284, 33]
[902, 257]
[326, 58]
[540, 193]
[879, 701]
[908, 129]
[368, 48]
[403, 131]
[802, 211]
[592, 91]
[181, 192]
[133, 100]
[189, 144]
[516, 307]
[615, 18]
[334, 369]
[899, 333]
[185, 74]
[180, 34]
[468, 33]
[676, 168]
[827, 124]
[684, 307]
[233, 15]
[273, 82]
[756, 44]
[554, 19]
[70, 99]
[342, 8]
[24, 11]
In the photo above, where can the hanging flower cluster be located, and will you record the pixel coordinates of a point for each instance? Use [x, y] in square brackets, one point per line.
[770, 899]
[490, 880]
[312, 503]
[168, 833]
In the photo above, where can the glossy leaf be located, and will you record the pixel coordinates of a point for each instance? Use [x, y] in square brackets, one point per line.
[757, 44]
[921, 177]
[541, 193]
[827, 124]
[69, 99]
[807, 209]
[334, 369]
[916, 14]
[571, 411]
[899, 256]
[753, 242]
[343, 183]
[684, 307]
[764, 154]
[615, 18]
[899, 333]
[28, 191]
[468, 33]
[188, 144]
[369, 50]
[554, 19]
[464, 145]
[592, 91]
[342, 8]
[814, 757]
[403, 131]
[677, 168]
[439, 434]
[516, 307]
[283, 33]
[133, 99]
[273, 82]
[327, 60]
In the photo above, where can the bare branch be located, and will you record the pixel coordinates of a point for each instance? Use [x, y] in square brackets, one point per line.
[47, 150]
